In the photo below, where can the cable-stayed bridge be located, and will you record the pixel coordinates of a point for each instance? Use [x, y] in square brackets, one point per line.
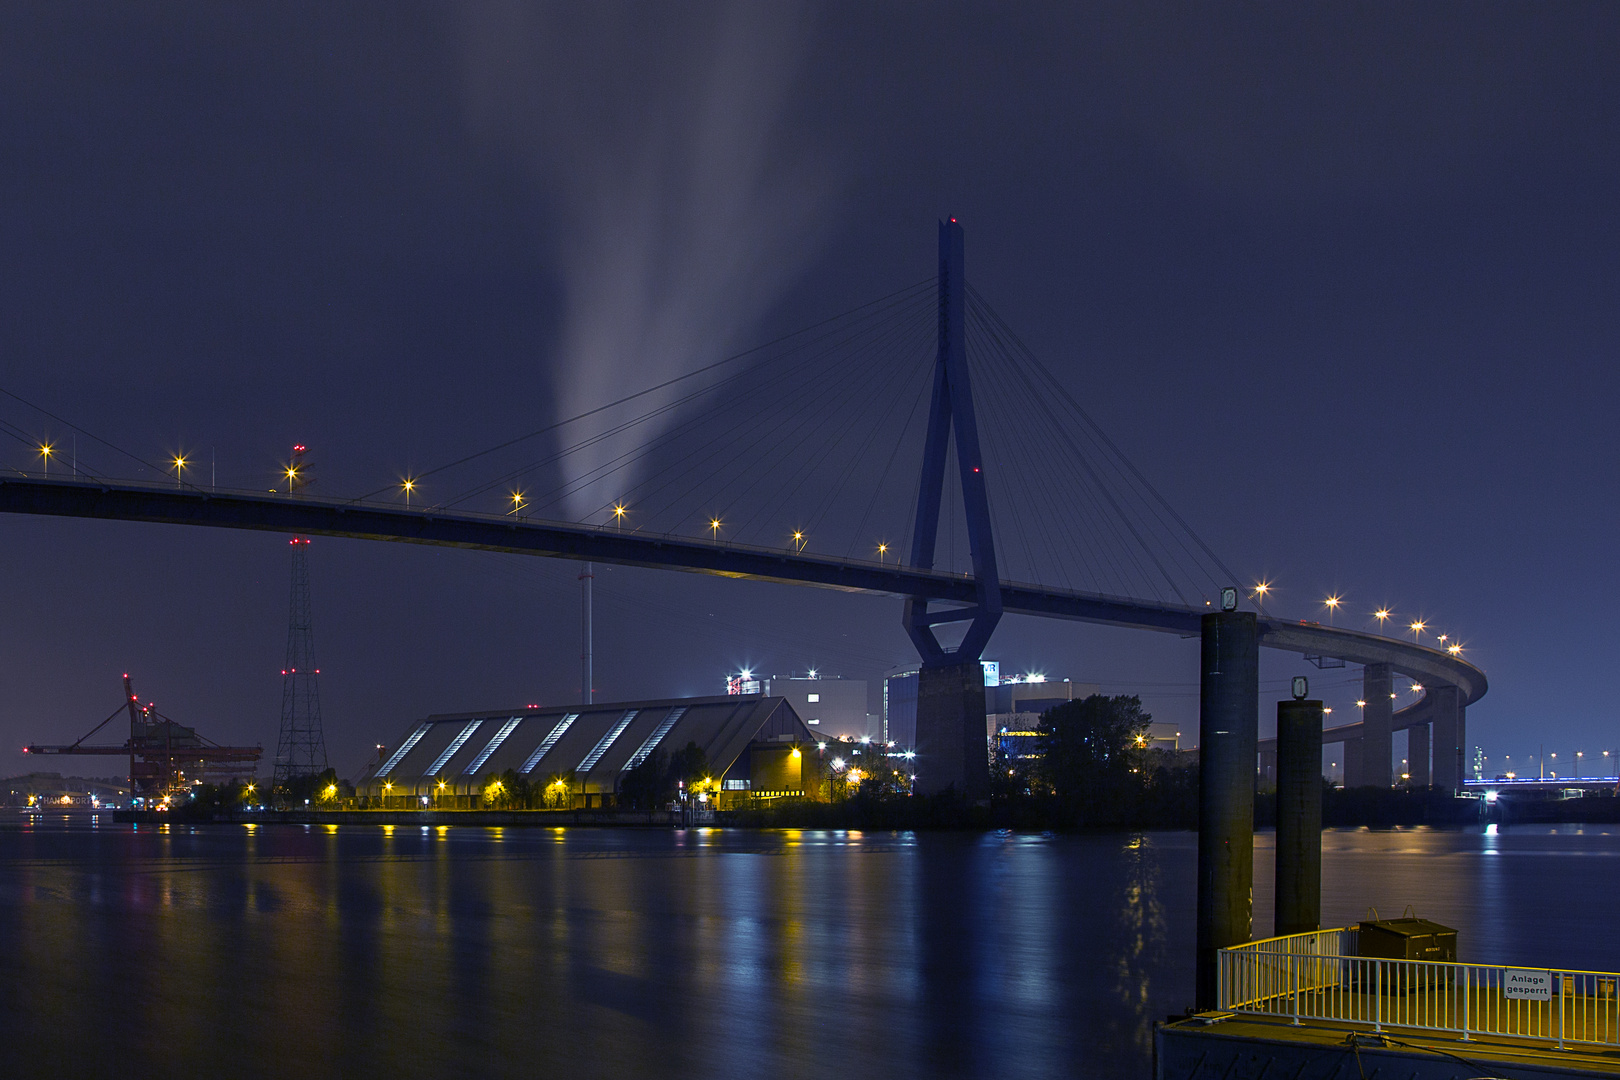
[825, 458]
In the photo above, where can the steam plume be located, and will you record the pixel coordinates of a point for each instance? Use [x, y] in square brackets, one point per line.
[681, 202]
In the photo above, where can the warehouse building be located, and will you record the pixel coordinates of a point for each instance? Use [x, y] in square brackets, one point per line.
[756, 747]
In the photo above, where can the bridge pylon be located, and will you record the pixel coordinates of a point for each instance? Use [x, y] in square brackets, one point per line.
[952, 748]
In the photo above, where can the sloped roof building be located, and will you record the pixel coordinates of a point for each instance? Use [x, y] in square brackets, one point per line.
[756, 746]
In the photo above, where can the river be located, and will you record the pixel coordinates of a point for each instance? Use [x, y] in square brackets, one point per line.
[292, 951]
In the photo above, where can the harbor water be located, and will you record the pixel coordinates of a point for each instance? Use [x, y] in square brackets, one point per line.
[356, 950]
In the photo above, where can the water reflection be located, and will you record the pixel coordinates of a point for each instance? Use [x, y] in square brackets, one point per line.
[423, 951]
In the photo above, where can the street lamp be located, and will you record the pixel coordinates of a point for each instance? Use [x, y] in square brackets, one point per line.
[180, 464]
[883, 549]
[517, 502]
[1332, 604]
[409, 485]
[45, 452]
[714, 528]
[1381, 615]
[1416, 628]
[798, 539]
[618, 515]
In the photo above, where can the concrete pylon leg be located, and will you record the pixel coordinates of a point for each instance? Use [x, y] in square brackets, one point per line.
[952, 750]
[1352, 763]
[1377, 743]
[1448, 736]
[1417, 755]
[1228, 734]
[1298, 892]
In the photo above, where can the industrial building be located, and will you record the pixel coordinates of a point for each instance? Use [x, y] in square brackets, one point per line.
[1012, 704]
[756, 746]
[835, 707]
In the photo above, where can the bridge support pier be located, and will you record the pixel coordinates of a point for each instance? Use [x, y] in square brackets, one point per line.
[1449, 737]
[1377, 720]
[1298, 892]
[1352, 763]
[952, 746]
[1417, 755]
[1228, 734]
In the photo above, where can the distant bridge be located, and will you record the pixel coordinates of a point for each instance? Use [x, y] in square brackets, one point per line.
[308, 515]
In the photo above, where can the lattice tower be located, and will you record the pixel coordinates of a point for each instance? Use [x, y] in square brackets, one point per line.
[301, 749]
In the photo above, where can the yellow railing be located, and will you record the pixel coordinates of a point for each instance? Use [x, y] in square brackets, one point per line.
[1317, 976]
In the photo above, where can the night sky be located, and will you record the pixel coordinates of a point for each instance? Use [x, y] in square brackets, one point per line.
[1341, 279]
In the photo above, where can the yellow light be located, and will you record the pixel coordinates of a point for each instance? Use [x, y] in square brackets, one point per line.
[441, 785]
[517, 499]
[618, 512]
[1261, 588]
[331, 789]
[1454, 649]
[1332, 601]
[714, 525]
[1361, 704]
[1416, 627]
[388, 785]
[796, 753]
[409, 485]
[179, 461]
[883, 549]
[1417, 688]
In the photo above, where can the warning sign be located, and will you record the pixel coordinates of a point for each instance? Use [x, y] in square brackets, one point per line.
[1518, 984]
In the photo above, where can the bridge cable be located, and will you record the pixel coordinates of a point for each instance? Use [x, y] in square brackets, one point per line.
[1101, 434]
[649, 390]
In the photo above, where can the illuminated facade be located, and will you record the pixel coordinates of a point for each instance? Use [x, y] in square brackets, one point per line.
[755, 747]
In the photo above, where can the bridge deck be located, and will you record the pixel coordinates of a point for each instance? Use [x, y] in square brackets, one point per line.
[303, 514]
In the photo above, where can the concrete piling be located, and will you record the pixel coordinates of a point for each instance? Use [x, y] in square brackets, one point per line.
[1298, 891]
[1229, 709]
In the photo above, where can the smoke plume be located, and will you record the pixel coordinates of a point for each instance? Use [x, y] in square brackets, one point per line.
[681, 200]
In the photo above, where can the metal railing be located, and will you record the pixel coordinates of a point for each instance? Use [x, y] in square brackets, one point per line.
[1318, 976]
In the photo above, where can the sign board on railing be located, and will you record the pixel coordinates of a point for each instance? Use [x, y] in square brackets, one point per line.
[1520, 985]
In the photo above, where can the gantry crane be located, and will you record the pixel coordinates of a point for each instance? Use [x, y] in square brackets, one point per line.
[163, 755]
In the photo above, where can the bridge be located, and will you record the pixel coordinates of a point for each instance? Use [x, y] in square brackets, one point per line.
[1450, 683]
[1097, 516]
